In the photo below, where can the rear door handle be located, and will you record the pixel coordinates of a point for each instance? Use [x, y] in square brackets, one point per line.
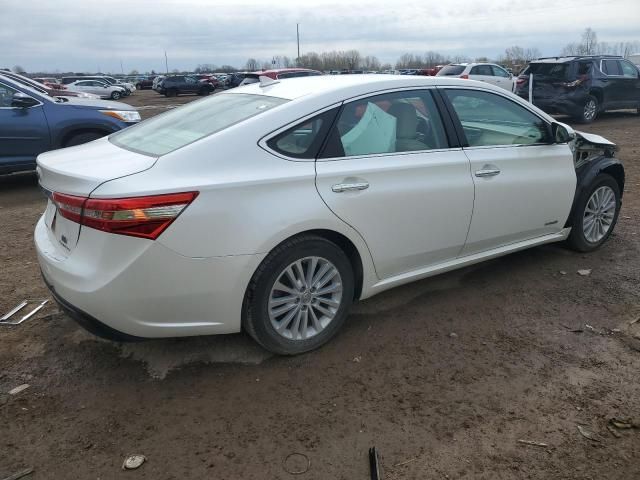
[487, 172]
[349, 187]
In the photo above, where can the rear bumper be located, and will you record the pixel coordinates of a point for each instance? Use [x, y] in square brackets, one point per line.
[567, 104]
[125, 287]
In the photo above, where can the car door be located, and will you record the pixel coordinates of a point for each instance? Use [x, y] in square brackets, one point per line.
[24, 132]
[630, 94]
[389, 171]
[614, 84]
[503, 78]
[524, 184]
[190, 85]
[482, 73]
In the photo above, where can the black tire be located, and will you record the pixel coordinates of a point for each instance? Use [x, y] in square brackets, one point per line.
[80, 138]
[256, 321]
[204, 92]
[115, 95]
[590, 110]
[172, 92]
[577, 239]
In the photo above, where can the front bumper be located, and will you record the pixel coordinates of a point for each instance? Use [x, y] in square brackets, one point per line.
[140, 288]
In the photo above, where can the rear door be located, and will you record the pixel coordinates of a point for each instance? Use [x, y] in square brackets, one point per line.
[614, 89]
[483, 73]
[503, 78]
[190, 85]
[388, 171]
[24, 132]
[524, 184]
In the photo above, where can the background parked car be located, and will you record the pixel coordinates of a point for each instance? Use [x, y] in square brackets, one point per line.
[483, 72]
[64, 92]
[50, 82]
[97, 87]
[144, 83]
[181, 84]
[279, 74]
[129, 88]
[31, 122]
[581, 87]
[235, 79]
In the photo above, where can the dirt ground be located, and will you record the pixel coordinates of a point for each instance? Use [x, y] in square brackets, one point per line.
[443, 376]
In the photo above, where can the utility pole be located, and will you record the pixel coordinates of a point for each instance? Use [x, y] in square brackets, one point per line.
[166, 63]
[121, 67]
[298, 37]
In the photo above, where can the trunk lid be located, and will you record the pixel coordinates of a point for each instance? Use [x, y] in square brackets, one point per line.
[78, 171]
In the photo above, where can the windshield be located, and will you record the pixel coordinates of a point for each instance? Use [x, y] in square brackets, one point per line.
[185, 125]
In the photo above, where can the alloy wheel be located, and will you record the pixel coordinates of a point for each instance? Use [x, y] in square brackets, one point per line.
[590, 109]
[599, 214]
[305, 298]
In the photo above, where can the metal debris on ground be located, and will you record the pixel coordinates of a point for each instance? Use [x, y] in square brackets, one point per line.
[573, 330]
[374, 464]
[613, 431]
[19, 389]
[562, 272]
[4, 320]
[23, 473]
[357, 359]
[533, 443]
[634, 321]
[623, 423]
[133, 461]
[453, 335]
[405, 462]
[585, 272]
[587, 434]
[305, 465]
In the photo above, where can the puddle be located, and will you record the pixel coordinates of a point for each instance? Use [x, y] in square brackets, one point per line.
[165, 355]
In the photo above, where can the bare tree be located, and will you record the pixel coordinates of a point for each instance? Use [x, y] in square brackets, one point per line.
[589, 43]
[19, 69]
[252, 64]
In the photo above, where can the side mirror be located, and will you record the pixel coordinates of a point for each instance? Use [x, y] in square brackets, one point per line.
[511, 75]
[22, 100]
[562, 133]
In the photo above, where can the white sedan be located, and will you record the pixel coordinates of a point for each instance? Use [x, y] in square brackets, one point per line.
[272, 207]
[97, 87]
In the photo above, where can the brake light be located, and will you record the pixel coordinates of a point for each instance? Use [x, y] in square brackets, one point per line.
[144, 217]
[465, 76]
[520, 80]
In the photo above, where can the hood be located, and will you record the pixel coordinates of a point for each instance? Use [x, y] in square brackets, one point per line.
[96, 104]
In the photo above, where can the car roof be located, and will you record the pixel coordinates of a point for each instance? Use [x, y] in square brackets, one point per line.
[336, 88]
[571, 58]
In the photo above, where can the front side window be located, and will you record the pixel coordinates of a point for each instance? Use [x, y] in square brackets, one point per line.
[499, 72]
[184, 125]
[451, 70]
[628, 70]
[389, 123]
[491, 119]
[6, 95]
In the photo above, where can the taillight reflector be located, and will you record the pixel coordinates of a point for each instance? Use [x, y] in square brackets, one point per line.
[144, 217]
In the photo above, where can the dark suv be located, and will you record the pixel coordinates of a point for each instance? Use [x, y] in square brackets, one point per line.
[179, 84]
[582, 86]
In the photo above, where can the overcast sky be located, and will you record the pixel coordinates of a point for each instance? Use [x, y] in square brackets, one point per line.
[84, 35]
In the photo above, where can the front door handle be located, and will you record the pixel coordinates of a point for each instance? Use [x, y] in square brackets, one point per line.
[349, 187]
[487, 172]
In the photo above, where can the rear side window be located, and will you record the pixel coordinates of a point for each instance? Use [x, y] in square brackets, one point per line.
[451, 70]
[389, 123]
[611, 67]
[481, 70]
[185, 125]
[305, 139]
[499, 72]
[490, 119]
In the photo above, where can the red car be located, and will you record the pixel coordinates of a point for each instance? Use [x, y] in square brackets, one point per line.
[42, 88]
[278, 74]
[51, 82]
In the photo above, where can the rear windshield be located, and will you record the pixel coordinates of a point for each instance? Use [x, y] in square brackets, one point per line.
[451, 70]
[196, 120]
[551, 71]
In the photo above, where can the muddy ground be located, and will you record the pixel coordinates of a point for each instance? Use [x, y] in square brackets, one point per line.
[443, 376]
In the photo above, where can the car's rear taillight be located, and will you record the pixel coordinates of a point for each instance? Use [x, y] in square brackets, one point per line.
[465, 76]
[145, 217]
[520, 80]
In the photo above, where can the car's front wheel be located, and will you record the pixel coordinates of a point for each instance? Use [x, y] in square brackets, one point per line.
[300, 295]
[116, 95]
[595, 214]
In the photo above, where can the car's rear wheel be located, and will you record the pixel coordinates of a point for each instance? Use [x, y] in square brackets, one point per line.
[80, 138]
[589, 110]
[172, 92]
[300, 295]
[204, 92]
[115, 95]
[595, 214]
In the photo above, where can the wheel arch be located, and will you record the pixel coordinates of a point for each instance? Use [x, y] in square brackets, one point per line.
[68, 135]
[588, 172]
